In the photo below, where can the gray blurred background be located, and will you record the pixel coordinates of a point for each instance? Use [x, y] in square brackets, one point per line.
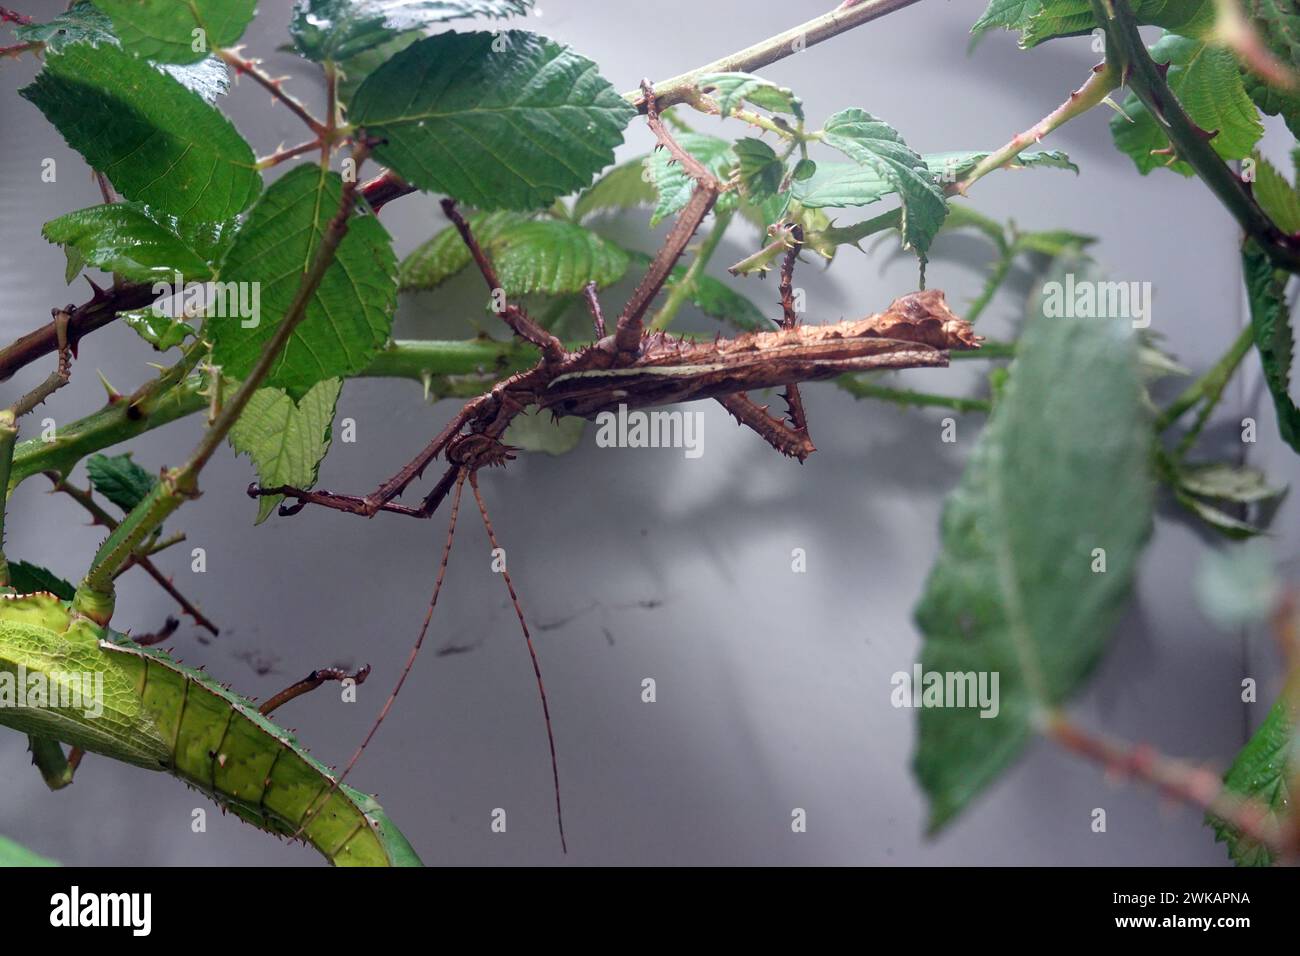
[773, 687]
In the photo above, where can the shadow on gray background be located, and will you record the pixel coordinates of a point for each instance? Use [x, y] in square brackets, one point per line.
[773, 688]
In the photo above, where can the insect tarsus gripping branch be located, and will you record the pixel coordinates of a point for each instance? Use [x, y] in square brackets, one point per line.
[634, 368]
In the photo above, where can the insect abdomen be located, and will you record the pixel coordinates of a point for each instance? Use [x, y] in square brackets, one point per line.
[223, 747]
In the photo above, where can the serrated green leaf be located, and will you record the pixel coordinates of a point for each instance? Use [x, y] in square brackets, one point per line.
[132, 240]
[732, 90]
[1207, 82]
[157, 142]
[837, 185]
[504, 121]
[1216, 517]
[1227, 482]
[759, 169]
[1238, 586]
[15, 854]
[354, 70]
[437, 260]
[552, 257]
[718, 300]
[1041, 20]
[164, 30]
[626, 186]
[1277, 24]
[1270, 319]
[208, 78]
[875, 144]
[349, 317]
[546, 256]
[26, 578]
[950, 167]
[339, 29]
[80, 23]
[672, 183]
[1060, 470]
[161, 331]
[1262, 771]
[119, 479]
[83, 23]
[1276, 196]
[541, 431]
[286, 441]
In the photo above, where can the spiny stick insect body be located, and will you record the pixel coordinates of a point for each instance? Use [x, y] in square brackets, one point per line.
[636, 368]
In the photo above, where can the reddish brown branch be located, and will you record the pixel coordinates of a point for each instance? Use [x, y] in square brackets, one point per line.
[1177, 779]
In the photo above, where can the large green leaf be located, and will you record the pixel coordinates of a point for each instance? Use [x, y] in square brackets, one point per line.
[1262, 770]
[504, 121]
[157, 142]
[876, 145]
[349, 317]
[119, 479]
[139, 243]
[626, 186]
[1207, 82]
[675, 186]
[1270, 318]
[83, 23]
[178, 31]
[339, 29]
[286, 440]
[1060, 471]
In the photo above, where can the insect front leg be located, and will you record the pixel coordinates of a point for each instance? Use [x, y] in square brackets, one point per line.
[631, 323]
[57, 769]
[519, 321]
[310, 683]
[381, 499]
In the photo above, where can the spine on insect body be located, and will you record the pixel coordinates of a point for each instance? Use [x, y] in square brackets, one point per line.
[155, 712]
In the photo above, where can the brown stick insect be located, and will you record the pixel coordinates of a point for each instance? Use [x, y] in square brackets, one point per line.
[636, 368]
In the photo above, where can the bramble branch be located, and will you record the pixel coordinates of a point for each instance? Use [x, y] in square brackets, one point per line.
[840, 20]
[273, 85]
[1190, 143]
[1177, 779]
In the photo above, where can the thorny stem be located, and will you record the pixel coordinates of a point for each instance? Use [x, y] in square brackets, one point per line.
[1191, 144]
[95, 593]
[141, 557]
[840, 20]
[1103, 81]
[284, 155]
[274, 86]
[681, 291]
[1178, 779]
[9, 424]
[1209, 386]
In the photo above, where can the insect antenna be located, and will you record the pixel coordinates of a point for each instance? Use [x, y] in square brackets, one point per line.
[410, 659]
[532, 652]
